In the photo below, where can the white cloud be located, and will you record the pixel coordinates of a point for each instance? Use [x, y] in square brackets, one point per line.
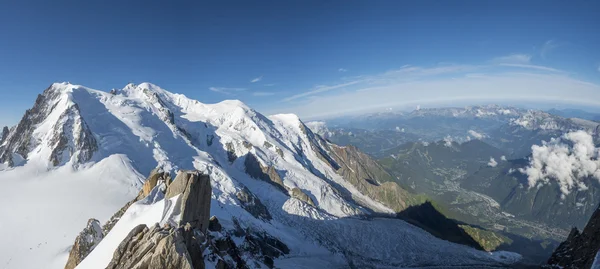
[548, 46]
[503, 158]
[227, 91]
[448, 141]
[342, 70]
[320, 89]
[568, 161]
[263, 93]
[492, 162]
[256, 79]
[513, 59]
[476, 135]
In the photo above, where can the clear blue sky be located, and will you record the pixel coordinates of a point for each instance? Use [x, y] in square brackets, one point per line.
[314, 58]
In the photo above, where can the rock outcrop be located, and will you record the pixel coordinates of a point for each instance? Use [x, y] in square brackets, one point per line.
[179, 246]
[156, 176]
[300, 195]
[195, 192]
[252, 204]
[267, 173]
[152, 248]
[85, 242]
[580, 249]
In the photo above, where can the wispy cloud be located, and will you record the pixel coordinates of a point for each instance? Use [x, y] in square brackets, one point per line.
[443, 85]
[531, 66]
[548, 46]
[263, 93]
[598, 67]
[513, 59]
[227, 91]
[320, 89]
[256, 79]
[269, 85]
[342, 70]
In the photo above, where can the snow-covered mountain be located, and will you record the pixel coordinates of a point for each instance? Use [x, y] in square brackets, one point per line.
[80, 153]
[486, 111]
[513, 129]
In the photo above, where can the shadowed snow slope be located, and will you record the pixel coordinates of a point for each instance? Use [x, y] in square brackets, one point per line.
[80, 153]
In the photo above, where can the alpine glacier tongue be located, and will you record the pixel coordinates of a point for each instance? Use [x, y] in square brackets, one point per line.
[79, 153]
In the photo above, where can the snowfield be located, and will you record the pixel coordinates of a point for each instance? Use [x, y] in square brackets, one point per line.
[44, 210]
[141, 127]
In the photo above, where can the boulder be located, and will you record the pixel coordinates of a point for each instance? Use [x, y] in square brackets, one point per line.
[195, 191]
[85, 242]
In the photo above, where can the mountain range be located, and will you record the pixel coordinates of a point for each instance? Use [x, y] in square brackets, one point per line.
[80, 153]
[478, 162]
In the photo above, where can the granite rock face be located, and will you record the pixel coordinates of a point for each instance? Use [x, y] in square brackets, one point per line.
[152, 248]
[156, 176]
[195, 191]
[179, 246]
[580, 249]
[85, 242]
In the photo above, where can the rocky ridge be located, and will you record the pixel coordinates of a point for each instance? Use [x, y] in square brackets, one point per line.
[580, 249]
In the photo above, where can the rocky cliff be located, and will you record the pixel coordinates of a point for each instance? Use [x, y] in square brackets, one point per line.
[580, 249]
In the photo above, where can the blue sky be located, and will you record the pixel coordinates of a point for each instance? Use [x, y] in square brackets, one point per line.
[313, 58]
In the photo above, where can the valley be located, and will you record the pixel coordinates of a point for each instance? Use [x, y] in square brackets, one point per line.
[475, 175]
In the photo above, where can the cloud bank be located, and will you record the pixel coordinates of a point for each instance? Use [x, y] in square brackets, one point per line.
[569, 161]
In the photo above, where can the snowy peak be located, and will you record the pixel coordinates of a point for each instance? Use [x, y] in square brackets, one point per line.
[539, 120]
[51, 131]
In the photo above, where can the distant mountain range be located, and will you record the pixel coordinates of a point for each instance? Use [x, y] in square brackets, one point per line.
[512, 129]
[469, 160]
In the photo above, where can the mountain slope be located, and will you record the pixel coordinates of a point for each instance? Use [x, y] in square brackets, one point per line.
[268, 174]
